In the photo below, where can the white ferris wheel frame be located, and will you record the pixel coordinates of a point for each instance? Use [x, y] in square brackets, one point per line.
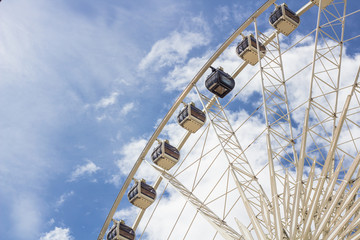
[279, 130]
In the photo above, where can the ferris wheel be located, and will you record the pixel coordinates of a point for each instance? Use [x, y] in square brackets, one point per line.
[270, 145]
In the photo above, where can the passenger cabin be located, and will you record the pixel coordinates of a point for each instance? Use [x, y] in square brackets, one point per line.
[191, 118]
[141, 194]
[219, 82]
[165, 155]
[324, 3]
[247, 50]
[120, 231]
[284, 20]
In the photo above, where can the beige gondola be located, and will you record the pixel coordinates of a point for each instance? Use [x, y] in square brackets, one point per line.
[247, 50]
[141, 194]
[324, 3]
[165, 155]
[191, 118]
[120, 231]
[284, 20]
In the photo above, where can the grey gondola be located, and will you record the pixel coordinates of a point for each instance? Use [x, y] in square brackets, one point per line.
[191, 118]
[247, 50]
[120, 231]
[284, 20]
[141, 194]
[324, 3]
[165, 155]
[219, 82]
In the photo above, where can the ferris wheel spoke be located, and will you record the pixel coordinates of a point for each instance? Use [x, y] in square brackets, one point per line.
[328, 194]
[287, 201]
[336, 199]
[351, 227]
[351, 211]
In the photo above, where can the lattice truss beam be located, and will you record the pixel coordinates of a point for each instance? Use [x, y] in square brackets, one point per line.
[282, 156]
[276, 105]
[321, 119]
[240, 169]
[325, 80]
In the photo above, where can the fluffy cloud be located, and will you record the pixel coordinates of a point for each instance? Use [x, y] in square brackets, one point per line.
[128, 214]
[181, 75]
[128, 155]
[127, 108]
[84, 170]
[107, 101]
[58, 234]
[175, 48]
[110, 108]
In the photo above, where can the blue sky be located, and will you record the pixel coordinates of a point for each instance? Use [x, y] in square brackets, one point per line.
[83, 84]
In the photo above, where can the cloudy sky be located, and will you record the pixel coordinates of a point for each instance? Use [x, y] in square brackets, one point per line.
[83, 85]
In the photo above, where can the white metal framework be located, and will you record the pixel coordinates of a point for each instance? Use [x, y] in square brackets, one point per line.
[286, 166]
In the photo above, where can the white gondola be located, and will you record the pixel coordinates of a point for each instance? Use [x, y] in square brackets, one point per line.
[165, 155]
[324, 3]
[284, 20]
[247, 50]
[120, 231]
[141, 194]
[219, 82]
[191, 118]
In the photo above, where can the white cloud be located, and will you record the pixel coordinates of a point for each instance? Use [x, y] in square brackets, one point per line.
[57, 234]
[107, 101]
[110, 108]
[127, 108]
[128, 214]
[171, 206]
[128, 156]
[181, 75]
[88, 169]
[171, 50]
[175, 48]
